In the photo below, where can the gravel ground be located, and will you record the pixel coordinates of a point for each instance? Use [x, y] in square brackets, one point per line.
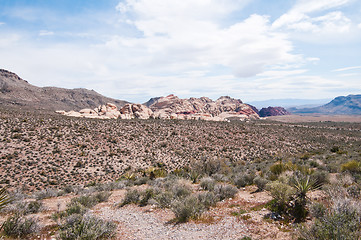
[135, 224]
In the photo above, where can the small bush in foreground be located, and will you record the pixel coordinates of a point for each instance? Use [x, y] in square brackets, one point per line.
[86, 227]
[18, 226]
[342, 221]
[188, 208]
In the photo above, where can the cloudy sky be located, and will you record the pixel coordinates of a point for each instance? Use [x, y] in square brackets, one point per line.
[137, 49]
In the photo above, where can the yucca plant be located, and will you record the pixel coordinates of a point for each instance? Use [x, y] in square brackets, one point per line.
[302, 184]
[4, 198]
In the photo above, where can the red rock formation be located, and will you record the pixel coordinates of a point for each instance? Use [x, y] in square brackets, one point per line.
[273, 111]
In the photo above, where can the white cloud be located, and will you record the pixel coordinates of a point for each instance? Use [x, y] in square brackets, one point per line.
[45, 33]
[307, 6]
[302, 17]
[346, 69]
[2, 23]
[186, 34]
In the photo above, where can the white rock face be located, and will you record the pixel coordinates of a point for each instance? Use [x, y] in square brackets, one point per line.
[172, 107]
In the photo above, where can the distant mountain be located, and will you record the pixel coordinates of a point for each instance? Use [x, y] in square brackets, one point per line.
[349, 105]
[15, 91]
[290, 103]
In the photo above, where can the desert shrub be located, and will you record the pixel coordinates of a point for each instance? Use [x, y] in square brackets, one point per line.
[188, 208]
[90, 201]
[208, 199]
[353, 191]
[75, 208]
[34, 207]
[146, 196]
[181, 190]
[141, 181]
[223, 191]
[335, 149]
[277, 168]
[131, 196]
[351, 166]
[320, 177]
[218, 177]
[318, 210]
[164, 199]
[19, 226]
[101, 196]
[243, 179]
[342, 221]
[46, 193]
[260, 183]
[207, 183]
[282, 195]
[211, 166]
[86, 227]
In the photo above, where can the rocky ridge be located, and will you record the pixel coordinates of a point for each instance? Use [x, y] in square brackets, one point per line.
[171, 107]
[342, 105]
[16, 92]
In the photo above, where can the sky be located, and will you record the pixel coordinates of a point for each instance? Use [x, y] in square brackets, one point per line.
[138, 49]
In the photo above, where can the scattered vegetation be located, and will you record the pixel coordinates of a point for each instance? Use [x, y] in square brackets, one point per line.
[188, 167]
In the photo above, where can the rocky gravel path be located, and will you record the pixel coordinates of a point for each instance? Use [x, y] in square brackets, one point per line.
[152, 224]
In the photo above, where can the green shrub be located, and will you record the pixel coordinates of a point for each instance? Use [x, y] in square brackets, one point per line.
[19, 227]
[208, 183]
[164, 199]
[320, 177]
[46, 193]
[223, 191]
[243, 179]
[351, 166]
[145, 196]
[260, 183]
[25, 208]
[181, 190]
[335, 149]
[78, 227]
[277, 168]
[318, 210]
[131, 196]
[282, 195]
[90, 201]
[354, 191]
[342, 221]
[188, 208]
[208, 199]
[75, 208]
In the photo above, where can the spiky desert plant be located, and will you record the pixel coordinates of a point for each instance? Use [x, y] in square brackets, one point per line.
[303, 185]
[4, 198]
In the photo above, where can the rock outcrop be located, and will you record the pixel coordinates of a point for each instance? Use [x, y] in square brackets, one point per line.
[273, 111]
[172, 107]
[224, 108]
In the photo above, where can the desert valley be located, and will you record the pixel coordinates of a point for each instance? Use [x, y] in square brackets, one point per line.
[78, 165]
